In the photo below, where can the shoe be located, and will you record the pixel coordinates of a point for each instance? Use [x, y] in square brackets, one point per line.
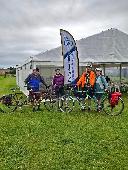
[83, 108]
[89, 108]
[33, 109]
[99, 109]
[39, 109]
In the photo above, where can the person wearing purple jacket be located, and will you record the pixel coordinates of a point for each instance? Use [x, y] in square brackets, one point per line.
[58, 83]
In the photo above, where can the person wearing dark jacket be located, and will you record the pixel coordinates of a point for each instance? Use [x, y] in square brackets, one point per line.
[33, 80]
[100, 87]
[58, 83]
[33, 83]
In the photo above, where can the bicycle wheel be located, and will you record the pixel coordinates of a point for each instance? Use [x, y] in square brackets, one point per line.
[19, 100]
[80, 104]
[113, 110]
[8, 104]
[51, 103]
[35, 99]
[34, 105]
[66, 103]
[93, 104]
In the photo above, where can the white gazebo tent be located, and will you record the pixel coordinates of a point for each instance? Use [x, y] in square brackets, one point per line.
[106, 49]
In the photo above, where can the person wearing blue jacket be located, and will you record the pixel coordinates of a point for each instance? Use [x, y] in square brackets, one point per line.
[33, 80]
[33, 83]
[100, 86]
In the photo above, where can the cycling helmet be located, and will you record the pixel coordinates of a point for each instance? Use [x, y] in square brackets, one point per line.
[89, 65]
[98, 69]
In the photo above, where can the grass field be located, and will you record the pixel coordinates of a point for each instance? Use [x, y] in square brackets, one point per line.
[62, 141]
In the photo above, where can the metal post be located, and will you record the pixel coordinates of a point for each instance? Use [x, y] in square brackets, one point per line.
[120, 71]
[104, 69]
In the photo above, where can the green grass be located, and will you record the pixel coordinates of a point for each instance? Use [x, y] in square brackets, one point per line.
[6, 84]
[63, 141]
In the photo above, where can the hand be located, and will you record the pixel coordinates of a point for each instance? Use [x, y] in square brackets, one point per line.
[88, 86]
[47, 87]
[106, 90]
[54, 86]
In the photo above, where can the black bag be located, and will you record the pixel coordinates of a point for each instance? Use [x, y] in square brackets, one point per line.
[28, 87]
[7, 100]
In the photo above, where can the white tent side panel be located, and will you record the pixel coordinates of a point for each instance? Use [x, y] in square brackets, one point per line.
[46, 70]
[21, 74]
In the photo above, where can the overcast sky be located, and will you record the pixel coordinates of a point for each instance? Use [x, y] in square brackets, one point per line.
[28, 27]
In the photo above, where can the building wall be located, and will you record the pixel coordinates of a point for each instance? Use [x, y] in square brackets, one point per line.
[48, 72]
[3, 71]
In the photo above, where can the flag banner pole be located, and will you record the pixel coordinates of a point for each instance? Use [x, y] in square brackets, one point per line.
[70, 57]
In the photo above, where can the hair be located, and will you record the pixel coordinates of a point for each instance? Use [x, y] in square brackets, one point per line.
[37, 69]
[57, 69]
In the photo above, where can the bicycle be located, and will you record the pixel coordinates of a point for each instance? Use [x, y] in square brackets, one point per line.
[76, 98]
[53, 102]
[113, 104]
[82, 97]
[40, 99]
[32, 99]
[49, 100]
[66, 101]
[12, 101]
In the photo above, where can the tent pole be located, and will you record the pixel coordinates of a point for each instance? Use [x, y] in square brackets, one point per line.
[120, 72]
[104, 69]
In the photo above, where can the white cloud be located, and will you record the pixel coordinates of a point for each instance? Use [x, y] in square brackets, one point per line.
[31, 26]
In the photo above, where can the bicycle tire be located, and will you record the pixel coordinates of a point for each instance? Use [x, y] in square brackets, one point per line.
[113, 110]
[35, 106]
[8, 107]
[51, 102]
[66, 103]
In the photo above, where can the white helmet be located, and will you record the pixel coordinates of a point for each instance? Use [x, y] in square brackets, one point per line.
[89, 65]
[98, 69]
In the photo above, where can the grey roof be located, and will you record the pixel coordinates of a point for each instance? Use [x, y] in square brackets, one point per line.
[108, 46]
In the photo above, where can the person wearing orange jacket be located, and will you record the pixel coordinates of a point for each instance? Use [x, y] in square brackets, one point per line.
[88, 77]
[87, 81]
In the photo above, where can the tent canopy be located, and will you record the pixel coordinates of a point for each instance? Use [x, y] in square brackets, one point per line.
[110, 46]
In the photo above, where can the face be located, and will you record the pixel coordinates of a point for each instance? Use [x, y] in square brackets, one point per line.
[35, 72]
[57, 71]
[88, 69]
[97, 72]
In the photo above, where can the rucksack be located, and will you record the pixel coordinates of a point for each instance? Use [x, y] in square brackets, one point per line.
[115, 98]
